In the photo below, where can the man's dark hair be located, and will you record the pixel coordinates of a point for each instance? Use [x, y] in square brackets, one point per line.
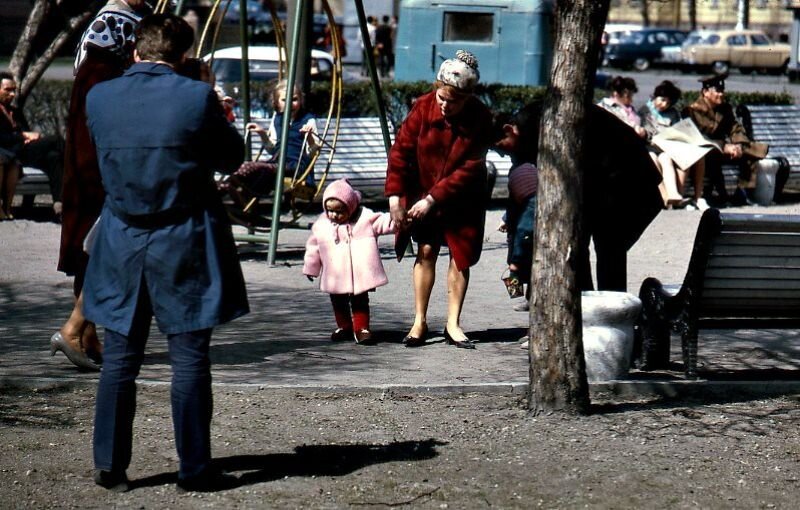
[5, 75]
[527, 121]
[163, 37]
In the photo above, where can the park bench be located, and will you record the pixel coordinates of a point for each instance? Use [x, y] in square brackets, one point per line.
[744, 272]
[34, 182]
[779, 126]
[360, 156]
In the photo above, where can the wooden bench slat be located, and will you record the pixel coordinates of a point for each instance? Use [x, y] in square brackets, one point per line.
[763, 271]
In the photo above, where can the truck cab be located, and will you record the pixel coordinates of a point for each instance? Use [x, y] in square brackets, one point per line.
[512, 39]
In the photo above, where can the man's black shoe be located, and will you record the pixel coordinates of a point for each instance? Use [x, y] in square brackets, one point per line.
[112, 480]
[209, 480]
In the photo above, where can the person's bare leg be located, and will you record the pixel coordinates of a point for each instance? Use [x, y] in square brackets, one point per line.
[2, 192]
[73, 329]
[661, 187]
[424, 277]
[668, 178]
[8, 183]
[457, 283]
[90, 342]
[680, 178]
[699, 175]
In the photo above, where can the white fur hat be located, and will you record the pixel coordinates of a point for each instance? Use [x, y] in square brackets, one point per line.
[460, 72]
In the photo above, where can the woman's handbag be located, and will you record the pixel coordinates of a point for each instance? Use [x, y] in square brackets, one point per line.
[514, 287]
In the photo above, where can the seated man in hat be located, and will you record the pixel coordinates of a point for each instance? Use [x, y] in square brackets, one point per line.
[714, 118]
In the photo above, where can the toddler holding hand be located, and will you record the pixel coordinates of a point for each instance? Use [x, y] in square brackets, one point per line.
[343, 252]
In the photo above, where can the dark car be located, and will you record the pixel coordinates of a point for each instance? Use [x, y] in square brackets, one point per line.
[642, 48]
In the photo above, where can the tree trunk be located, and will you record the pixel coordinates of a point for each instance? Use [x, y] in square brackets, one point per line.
[557, 370]
[645, 10]
[743, 15]
[24, 65]
[692, 7]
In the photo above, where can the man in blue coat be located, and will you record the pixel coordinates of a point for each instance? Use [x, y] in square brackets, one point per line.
[163, 246]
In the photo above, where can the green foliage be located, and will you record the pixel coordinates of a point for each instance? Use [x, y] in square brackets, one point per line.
[46, 108]
[737, 98]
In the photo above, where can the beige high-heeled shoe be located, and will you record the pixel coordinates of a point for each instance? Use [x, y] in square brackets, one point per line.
[78, 358]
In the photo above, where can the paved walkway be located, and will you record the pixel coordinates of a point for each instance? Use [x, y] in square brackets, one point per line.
[284, 341]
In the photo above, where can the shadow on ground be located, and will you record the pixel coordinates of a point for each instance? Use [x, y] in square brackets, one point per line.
[310, 460]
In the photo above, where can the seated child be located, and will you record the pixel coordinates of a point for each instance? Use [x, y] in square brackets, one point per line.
[259, 176]
[520, 216]
[343, 252]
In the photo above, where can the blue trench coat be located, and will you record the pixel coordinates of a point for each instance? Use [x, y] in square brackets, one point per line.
[159, 137]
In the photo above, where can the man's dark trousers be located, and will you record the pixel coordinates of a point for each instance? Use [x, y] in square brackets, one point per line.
[190, 394]
[46, 154]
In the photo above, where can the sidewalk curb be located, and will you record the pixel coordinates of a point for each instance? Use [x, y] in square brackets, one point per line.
[700, 388]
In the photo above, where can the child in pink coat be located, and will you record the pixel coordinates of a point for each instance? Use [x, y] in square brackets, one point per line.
[343, 252]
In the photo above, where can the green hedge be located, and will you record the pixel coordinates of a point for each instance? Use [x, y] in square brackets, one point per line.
[46, 108]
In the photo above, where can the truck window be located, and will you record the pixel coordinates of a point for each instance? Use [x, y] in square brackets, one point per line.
[468, 26]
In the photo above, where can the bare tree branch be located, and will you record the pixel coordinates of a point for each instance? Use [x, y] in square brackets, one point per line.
[37, 69]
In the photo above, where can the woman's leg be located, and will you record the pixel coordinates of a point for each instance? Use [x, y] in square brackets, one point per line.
[73, 329]
[3, 200]
[424, 276]
[699, 175]
[668, 178]
[457, 283]
[8, 183]
[661, 188]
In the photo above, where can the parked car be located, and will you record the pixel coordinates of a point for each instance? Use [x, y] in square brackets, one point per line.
[747, 50]
[263, 60]
[641, 48]
[672, 56]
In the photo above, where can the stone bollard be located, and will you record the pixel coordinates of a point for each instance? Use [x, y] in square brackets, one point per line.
[765, 181]
[608, 319]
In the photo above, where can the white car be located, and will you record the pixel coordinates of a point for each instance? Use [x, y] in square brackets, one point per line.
[227, 64]
[672, 56]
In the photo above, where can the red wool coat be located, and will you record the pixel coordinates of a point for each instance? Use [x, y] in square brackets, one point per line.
[445, 158]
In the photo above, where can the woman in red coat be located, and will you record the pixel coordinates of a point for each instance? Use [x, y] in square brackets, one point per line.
[436, 184]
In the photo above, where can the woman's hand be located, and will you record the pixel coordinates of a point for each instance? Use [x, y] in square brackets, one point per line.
[734, 150]
[421, 208]
[255, 128]
[397, 212]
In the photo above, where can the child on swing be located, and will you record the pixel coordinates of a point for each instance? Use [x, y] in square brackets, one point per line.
[343, 252]
[259, 176]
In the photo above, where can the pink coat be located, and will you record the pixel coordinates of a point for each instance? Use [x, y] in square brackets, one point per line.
[346, 256]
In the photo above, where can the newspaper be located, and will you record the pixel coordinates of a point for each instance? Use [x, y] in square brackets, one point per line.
[684, 143]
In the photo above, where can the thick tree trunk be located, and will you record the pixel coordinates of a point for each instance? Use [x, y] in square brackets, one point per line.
[645, 10]
[557, 371]
[743, 15]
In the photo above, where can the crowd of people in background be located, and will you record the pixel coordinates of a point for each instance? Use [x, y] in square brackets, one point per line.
[714, 118]
[382, 37]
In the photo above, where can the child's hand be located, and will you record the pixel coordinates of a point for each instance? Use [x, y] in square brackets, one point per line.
[502, 227]
[310, 278]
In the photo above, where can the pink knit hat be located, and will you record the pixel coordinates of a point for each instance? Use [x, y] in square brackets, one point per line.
[342, 191]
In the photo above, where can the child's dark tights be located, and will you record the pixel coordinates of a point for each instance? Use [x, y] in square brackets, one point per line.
[360, 311]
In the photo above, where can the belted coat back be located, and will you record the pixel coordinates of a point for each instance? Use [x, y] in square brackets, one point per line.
[159, 138]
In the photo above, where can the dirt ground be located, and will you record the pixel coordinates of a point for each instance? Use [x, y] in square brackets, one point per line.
[377, 449]
[313, 448]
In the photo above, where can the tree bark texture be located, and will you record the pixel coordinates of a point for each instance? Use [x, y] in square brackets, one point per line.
[557, 370]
